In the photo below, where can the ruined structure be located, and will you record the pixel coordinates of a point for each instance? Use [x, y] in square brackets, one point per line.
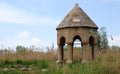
[76, 25]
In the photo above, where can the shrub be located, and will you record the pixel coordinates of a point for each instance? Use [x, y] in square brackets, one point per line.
[8, 62]
[43, 64]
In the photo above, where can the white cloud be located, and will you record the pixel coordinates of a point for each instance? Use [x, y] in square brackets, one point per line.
[115, 41]
[12, 43]
[11, 14]
[24, 39]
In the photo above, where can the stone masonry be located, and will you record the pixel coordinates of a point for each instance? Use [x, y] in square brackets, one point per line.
[76, 25]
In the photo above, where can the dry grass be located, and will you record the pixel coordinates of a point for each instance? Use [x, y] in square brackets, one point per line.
[107, 62]
[29, 56]
[107, 56]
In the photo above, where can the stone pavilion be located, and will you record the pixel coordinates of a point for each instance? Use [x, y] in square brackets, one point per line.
[76, 25]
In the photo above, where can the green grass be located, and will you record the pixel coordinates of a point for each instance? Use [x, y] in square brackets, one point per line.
[91, 67]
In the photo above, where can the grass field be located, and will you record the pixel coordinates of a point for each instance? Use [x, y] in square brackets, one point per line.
[31, 62]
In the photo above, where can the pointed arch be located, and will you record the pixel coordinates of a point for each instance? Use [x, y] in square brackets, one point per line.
[77, 44]
[91, 43]
[91, 40]
[62, 41]
[77, 38]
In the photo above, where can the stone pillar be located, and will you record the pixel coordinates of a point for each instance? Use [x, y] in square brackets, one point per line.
[70, 53]
[95, 51]
[84, 52]
[60, 54]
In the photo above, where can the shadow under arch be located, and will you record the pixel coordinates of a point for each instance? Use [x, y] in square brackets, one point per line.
[77, 44]
[91, 43]
[78, 39]
[62, 43]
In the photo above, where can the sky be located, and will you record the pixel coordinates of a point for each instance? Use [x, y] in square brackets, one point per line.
[34, 22]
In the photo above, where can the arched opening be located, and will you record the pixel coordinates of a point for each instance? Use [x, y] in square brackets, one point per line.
[62, 43]
[77, 42]
[91, 43]
[77, 47]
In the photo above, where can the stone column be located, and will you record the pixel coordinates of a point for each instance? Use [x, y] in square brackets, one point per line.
[95, 51]
[70, 53]
[84, 52]
[60, 54]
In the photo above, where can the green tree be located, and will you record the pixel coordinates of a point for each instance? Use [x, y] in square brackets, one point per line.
[20, 49]
[102, 39]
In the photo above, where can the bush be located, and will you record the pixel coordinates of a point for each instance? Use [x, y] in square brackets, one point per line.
[19, 61]
[43, 64]
[8, 62]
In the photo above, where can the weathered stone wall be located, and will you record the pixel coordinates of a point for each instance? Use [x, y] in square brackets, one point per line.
[70, 33]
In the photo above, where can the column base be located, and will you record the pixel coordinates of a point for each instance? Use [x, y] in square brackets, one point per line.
[59, 61]
[69, 61]
[84, 61]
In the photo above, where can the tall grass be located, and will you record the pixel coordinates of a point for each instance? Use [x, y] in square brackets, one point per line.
[107, 62]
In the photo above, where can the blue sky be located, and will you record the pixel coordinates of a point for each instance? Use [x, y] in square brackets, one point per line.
[34, 22]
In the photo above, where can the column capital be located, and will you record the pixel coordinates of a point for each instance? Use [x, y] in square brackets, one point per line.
[69, 43]
[95, 43]
[58, 44]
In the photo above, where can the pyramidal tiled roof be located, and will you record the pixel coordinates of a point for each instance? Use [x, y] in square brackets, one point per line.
[77, 18]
